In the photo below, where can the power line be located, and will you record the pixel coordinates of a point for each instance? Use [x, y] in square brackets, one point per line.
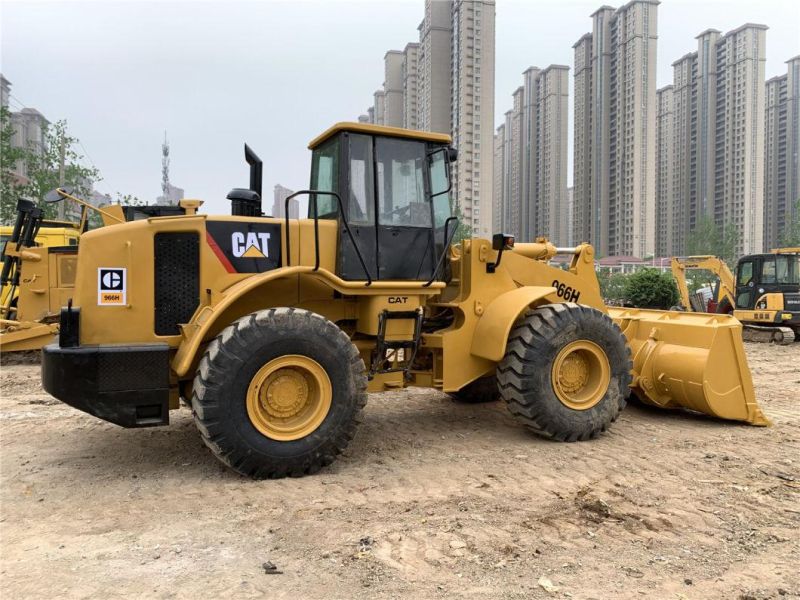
[17, 100]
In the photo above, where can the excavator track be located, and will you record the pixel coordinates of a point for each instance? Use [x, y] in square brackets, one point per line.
[783, 336]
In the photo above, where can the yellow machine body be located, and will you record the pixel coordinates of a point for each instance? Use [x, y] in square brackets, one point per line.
[680, 359]
[274, 329]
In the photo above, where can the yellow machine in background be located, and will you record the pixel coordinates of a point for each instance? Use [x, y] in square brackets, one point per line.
[274, 330]
[764, 295]
[39, 265]
[50, 234]
[38, 275]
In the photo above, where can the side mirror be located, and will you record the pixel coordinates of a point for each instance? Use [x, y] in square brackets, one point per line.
[439, 166]
[500, 242]
[452, 154]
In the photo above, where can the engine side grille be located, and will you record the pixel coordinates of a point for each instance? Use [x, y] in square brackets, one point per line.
[177, 280]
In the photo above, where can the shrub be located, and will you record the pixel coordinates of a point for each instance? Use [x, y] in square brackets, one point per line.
[649, 288]
[612, 286]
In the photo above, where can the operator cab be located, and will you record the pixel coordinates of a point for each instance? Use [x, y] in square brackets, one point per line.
[394, 186]
[759, 274]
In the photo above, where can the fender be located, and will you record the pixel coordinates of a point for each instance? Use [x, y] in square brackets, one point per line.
[491, 333]
[197, 329]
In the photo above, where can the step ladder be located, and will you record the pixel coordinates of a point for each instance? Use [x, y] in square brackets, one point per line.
[409, 347]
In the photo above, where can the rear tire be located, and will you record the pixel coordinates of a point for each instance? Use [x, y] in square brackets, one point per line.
[481, 390]
[292, 418]
[566, 372]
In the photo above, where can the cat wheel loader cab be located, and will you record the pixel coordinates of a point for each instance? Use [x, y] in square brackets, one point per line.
[275, 329]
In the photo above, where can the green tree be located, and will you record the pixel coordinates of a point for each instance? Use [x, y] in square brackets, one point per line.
[10, 185]
[44, 166]
[709, 238]
[612, 286]
[791, 234]
[649, 288]
[464, 231]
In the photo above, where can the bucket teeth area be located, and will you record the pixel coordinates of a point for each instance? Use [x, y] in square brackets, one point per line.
[690, 360]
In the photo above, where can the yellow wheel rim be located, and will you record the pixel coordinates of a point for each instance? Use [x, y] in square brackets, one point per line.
[581, 375]
[289, 397]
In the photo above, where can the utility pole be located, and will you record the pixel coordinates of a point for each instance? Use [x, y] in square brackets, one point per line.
[62, 177]
[165, 185]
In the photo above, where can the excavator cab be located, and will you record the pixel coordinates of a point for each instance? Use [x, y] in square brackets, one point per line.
[391, 189]
[773, 273]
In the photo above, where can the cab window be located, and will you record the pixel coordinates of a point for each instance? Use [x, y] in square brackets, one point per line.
[324, 177]
[745, 275]
[787, 269]
[768, 270]
[439, 183]
[361, 205]
[401, 183]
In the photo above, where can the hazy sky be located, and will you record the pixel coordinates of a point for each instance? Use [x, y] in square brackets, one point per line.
[275, 74]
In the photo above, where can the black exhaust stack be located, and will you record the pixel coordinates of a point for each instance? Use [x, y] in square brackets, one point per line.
[247, 202]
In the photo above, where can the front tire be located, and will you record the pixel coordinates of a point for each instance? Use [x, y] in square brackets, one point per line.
[566, 372]
[279, 393]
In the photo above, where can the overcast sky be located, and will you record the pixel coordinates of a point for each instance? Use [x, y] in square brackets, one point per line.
[275, 74]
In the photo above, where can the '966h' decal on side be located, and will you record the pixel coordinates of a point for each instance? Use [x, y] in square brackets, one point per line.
[244, 247]
[112, 286]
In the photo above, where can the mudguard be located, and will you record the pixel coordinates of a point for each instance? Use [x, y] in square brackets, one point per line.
[491, 332]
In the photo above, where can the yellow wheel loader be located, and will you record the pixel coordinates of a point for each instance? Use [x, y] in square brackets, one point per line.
[764, 295]
[39, 264]
[274, 330]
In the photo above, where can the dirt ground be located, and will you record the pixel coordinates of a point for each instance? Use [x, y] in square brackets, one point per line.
[432, 500]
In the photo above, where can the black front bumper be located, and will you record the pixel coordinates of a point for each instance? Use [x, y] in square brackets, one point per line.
[125, 385]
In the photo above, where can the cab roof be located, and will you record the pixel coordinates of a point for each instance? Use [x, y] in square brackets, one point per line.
[369, 129]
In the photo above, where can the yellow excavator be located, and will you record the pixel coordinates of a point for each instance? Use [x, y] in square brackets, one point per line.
[273, 330]
[764, 295]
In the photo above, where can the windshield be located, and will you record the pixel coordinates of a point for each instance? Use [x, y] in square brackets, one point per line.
[781, 269]
[401, 183]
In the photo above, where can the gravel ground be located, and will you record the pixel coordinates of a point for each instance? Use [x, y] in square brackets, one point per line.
[433, 499]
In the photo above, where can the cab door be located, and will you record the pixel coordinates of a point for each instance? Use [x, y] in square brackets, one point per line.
[359, 203]
[745, 283]
[406, 247]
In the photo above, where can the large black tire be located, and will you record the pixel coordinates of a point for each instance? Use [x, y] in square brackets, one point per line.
[233, 359]
[480, 390]
[525, 375]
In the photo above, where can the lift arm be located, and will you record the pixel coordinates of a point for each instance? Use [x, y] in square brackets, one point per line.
[727, 283]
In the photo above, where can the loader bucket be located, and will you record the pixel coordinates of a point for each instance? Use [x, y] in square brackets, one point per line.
[690, 360]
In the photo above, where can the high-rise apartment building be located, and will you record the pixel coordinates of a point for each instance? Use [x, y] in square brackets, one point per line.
[472, 113]
[380, 107]
[570, 216]
[410, 69]
[434, 67]
[499, 179]
[533, 188]
[665, 137]
[512, 176]
[280, 194]
[393, 88]
[445, 83]
[5, 91]
[615, 112]
[718, 140]
[782, 154]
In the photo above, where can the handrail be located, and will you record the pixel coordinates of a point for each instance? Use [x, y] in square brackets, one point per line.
[313, 197]
[447, 242]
